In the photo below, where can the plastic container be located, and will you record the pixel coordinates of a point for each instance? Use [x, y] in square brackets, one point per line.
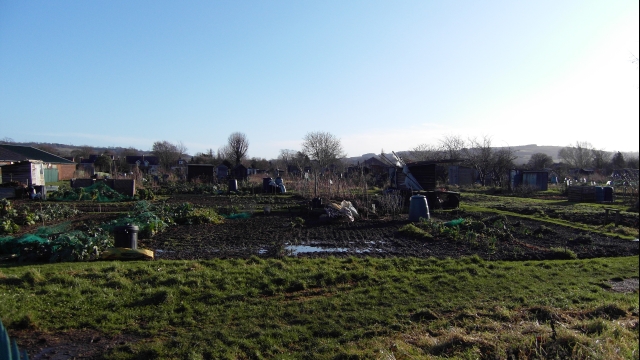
[266, 188]
[126, 236]
[599, 194]
[608, 194]
[418, 208]
[233, 185]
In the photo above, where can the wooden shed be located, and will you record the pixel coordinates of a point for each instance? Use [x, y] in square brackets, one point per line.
[29, 172]
[425, 173]
[461, 175]
[538, 179]
[239, 172]
[203, 172]
[222, 171]
[56, 168]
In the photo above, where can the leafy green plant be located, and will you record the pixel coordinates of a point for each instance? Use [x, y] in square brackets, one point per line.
[9, 350]
[145, 194]
[8, 226]
[413, 231]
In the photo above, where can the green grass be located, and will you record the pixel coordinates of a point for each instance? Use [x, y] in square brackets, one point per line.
[333, 308]
[606, 230]
[551, 211]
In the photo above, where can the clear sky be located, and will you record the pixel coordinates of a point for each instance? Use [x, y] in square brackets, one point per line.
[377, 74]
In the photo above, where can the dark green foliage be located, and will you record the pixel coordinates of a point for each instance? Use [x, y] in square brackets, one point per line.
[98, 192]
[144, 194]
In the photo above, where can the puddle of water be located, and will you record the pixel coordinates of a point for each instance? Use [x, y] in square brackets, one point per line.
[297, 249]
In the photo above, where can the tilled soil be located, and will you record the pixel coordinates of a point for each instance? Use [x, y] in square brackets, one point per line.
[281, 234]
[278, 235]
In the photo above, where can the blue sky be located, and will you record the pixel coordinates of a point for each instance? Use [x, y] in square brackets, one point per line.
[377, 74]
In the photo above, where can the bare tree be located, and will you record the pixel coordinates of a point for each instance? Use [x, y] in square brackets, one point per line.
[600, 158]
[238, 144]
[426, 152]
[577, 156]
[207, 157]
[82, 152]
[286, 156]
[168, 153]
[501, 162]
[323, 148]
[479, 156]
[6, 140]
[539, 161]
[259, 163]
[285, 159]
[452, 146]
[300, 161]
[224, 153]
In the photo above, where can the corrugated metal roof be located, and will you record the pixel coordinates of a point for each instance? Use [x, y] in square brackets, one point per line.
[21, 153]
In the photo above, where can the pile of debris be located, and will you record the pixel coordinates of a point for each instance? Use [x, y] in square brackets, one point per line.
[344, 210]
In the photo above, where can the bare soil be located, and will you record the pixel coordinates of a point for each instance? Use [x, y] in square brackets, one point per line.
[279, 234]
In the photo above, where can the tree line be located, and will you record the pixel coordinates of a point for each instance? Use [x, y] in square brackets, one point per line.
[321, 149]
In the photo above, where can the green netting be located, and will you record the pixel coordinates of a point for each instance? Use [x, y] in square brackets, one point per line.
[98, 192]
[144, 215]
[57, 243]
[455, 222]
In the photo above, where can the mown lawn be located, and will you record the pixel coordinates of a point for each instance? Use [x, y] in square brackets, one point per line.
[353, 308]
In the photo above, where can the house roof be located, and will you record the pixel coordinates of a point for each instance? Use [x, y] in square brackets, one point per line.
[153, 160]
[372, 161]
[22, 153]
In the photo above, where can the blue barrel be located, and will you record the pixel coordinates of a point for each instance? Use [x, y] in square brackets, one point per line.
[418, 208]
[599, 194]
[608, 194]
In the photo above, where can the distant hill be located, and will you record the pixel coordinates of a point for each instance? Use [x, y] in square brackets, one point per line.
[67, 150]
[523, 152]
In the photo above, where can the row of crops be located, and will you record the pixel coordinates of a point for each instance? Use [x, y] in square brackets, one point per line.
[64, 241]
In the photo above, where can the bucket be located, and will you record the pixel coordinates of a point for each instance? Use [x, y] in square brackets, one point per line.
[126, 236]
[418, 208]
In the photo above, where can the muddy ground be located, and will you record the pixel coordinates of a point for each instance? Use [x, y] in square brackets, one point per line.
[281, 234]
[292, 229]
